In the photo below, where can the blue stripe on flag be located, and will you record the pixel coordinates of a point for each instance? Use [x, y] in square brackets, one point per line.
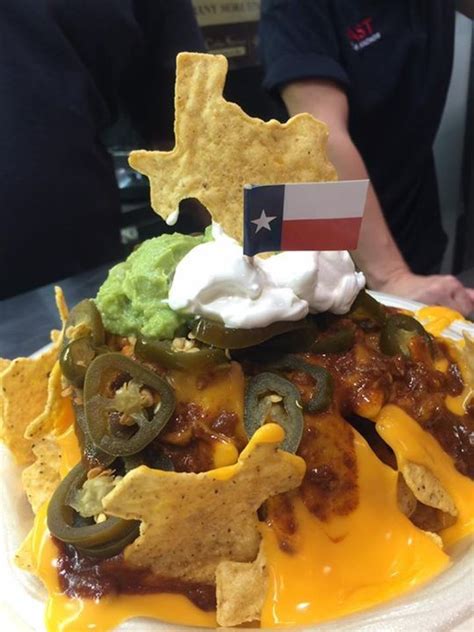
[263, 217]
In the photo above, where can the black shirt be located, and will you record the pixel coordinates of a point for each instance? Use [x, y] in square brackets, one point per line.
[393, 59]
[66, 67]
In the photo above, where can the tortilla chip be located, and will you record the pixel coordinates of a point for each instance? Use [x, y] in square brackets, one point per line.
[61, 304]
[427, 488]
[56, 409]
[240, 591]
[4, 364]
[27, 386]
[435, 537]
[219, 148]
[405, 497]
[41, 478]
[24, 556]
[24, 388]
[192, 522]
[56, 336]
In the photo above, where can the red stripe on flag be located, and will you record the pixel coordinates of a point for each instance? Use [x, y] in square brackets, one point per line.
[321, 234]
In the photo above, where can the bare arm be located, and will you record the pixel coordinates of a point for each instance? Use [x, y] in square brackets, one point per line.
[380, 259]
[378, 255]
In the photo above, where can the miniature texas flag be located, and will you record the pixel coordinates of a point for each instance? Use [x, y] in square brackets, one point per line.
[303, 216]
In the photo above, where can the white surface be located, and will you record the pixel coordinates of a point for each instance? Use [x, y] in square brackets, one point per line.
[443, 605]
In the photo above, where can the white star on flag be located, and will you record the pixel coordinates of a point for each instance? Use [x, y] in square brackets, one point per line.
[263, 221]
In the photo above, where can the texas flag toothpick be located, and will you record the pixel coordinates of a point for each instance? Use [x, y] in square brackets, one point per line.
[303, 216]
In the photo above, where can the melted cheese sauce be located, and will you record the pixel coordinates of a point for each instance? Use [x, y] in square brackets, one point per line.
[436, 318]
[411, 443]
[333, 572]
[224, 393]
[351, 562]
[64, 614]
[342, 566]
[70, 450]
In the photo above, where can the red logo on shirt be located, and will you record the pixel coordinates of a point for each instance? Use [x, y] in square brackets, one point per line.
[362, 34]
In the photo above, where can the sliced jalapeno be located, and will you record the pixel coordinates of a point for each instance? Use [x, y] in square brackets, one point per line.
[322, 395]
[366, 307]
[86, 314]
[298, 341]
[88, 341]
[103, 539]
[105, 551]
[74, 359]
[217, 335]
[161, 351]
[334, 342]
[92, 456]
[104, 373]
[398, 332]
[258, 407]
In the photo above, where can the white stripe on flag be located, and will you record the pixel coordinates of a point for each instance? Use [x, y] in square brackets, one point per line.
[325, 200]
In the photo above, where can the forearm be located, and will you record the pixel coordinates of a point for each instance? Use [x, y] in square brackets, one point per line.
[377, 254]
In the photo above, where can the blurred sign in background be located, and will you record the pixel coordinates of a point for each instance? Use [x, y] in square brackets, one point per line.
[230, 28]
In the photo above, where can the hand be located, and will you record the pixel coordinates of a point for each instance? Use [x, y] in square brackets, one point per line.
[433, 290]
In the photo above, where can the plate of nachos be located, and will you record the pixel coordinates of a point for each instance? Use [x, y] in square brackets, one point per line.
[217, 440]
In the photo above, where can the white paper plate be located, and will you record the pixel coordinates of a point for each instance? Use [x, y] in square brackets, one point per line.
[444, 605]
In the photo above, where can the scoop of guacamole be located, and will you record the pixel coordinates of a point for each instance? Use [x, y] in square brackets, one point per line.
[132, 300]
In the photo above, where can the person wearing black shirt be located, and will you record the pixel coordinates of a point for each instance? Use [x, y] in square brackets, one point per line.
[66, 69]
[377, 72]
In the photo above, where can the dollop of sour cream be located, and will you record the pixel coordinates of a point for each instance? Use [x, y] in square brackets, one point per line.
[216, 280]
